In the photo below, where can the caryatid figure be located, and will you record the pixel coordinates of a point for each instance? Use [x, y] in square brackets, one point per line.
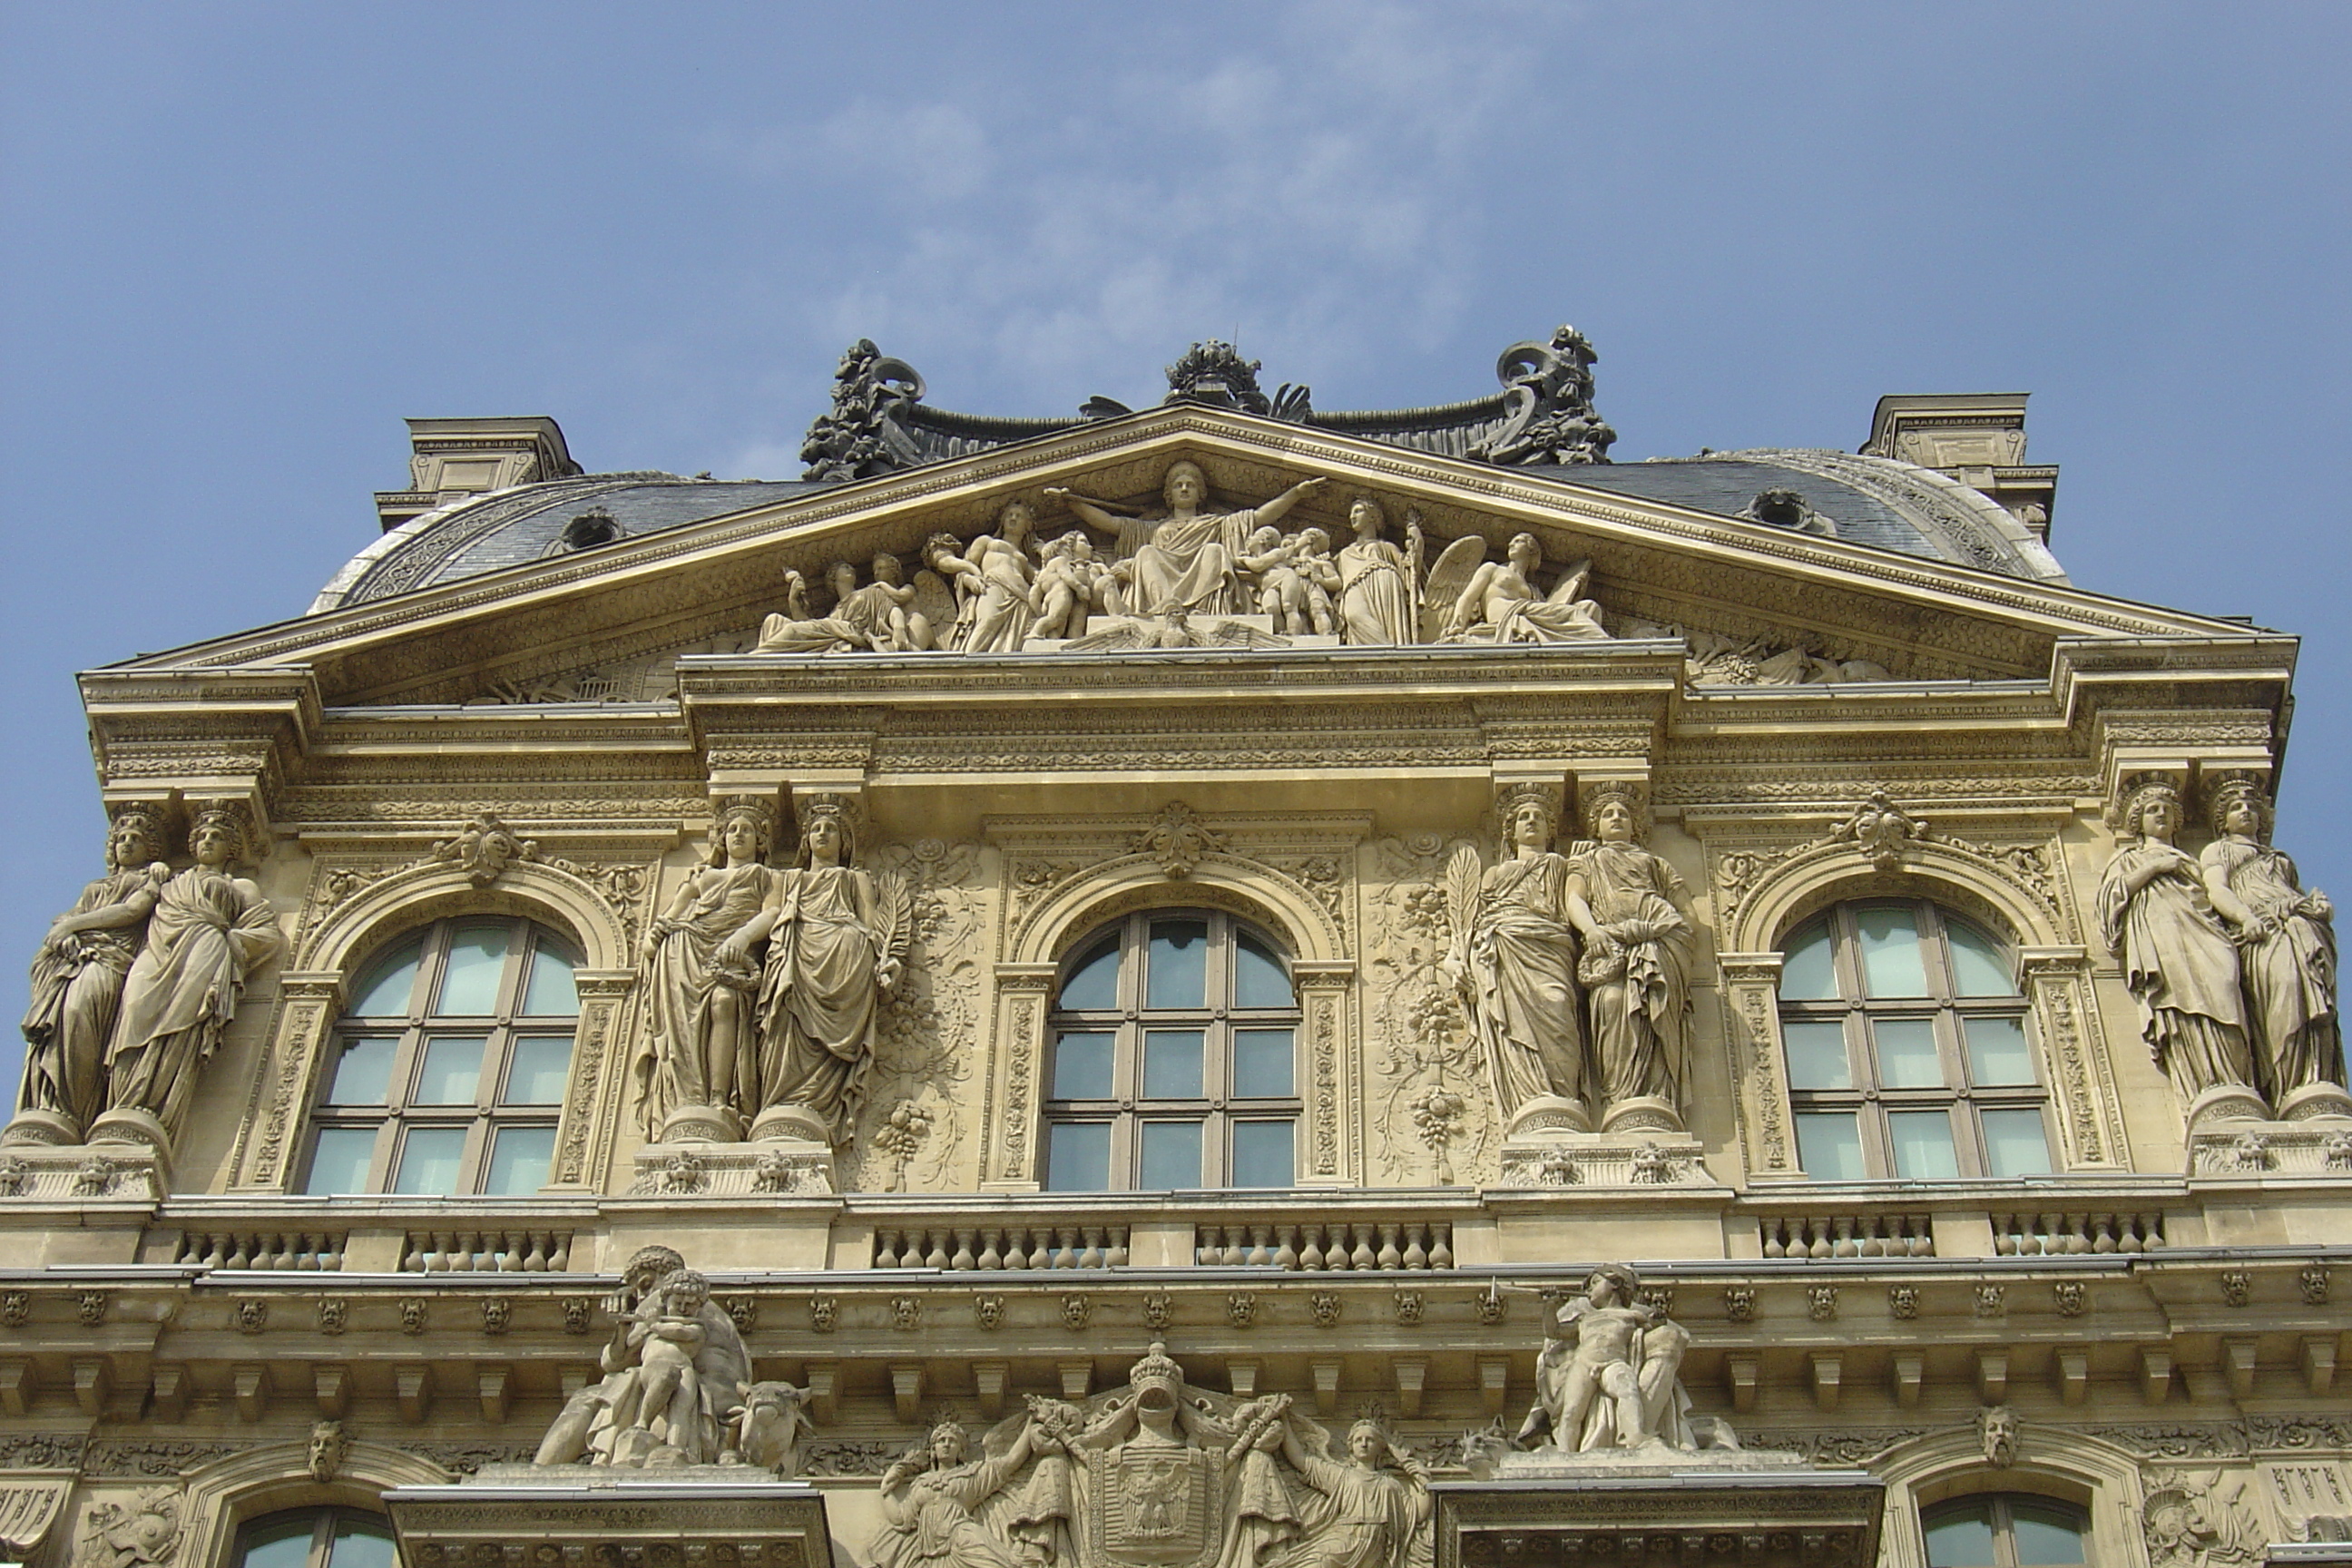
[2179, 960]
[1626, 903]
[702, 979]
[76, 982]
[1514, 958]
[2287, 959]
[209, 932]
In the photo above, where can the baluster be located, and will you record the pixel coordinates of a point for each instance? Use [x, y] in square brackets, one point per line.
[1776, 1238]
[935, 1244]
[1362, 1256]
[1025, 1249]
[2128, 1234]
[992, 1249]
[516, 1249]
[1285, 1252]
[1389, 1255]
[243, 1256]
[330, 1252]
[1229, 1248]
[965, 1257]
[560, 1260]
[216, 1251]
[1922, 1235]
[1117, 1257]
[1310, 1249]
[2103, 1233]
[1091, 1256]
[1204, 1245]
[542, 1242]
[1441, 1244]
[1817, 1233]
[1066, 1247]
[1261, 1252]
[1417, 1255]
[1845, 1246]
[2078, 1233]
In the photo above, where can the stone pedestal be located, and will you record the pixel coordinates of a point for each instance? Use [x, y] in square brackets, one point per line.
[85, 1173]
[1713, 1507]
[776, 1167]
[1554, 1157]
[2315, 1144]
[718, 1515]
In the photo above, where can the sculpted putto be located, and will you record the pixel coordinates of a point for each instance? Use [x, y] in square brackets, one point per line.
[78, 975]
[1608, 1375]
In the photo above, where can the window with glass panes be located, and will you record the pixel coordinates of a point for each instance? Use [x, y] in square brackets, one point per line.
[449, 1066]
[1174, 1061]
[2005, 1529]
[316, 1538]
[1908, 1055]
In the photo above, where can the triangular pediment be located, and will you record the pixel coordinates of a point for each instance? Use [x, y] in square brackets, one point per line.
[539, 630]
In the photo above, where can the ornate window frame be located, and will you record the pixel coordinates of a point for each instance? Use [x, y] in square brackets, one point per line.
[1012, 1148]
[2056, 1462]
[310, 999]
[218, 1499]
[2055, 971]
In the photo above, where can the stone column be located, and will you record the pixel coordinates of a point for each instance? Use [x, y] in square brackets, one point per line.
[266, 1157]
[1010, 1160]
[2057, 982]
[1329, 1131]
[1751, 1029]
[592, 1103]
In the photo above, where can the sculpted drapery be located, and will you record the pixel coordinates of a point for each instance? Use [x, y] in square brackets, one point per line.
[1625, 902]
[209, 931]
[1376, 589]
[701, 983]
[833, 951]
[78, 975]
[1186, 560]
[1514, 960]
[2288, 961]
[2178, 960]
[992, 577]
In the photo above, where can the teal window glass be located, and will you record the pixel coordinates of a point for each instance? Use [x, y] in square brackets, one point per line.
[476, 964]
[539, 1070]
[362, 1072]
[1960, 1538]
[1997, 1055]
[1093, 984]
[2048, 1534]
[361, 1544]
[452, 1071]
[2004, 1530]
[1082, 1065]
[1177, 970]
[315, 1538]
[1979, 966]
[1263, 1062]
[1262, 1154]
[1817, 1055]
[1829, 1145]
[550, 992]
[340, 1160]
[1924, 1150]
[1078, 1157]
[430, 1158]
[1809, 967]
[1907, 1058]
[1170, 1155]
[519, 1160]
[1259, 979]
[279, 1543]
[2015, 1145]
[385, 987]
[1892, 962]
[1174, 1061]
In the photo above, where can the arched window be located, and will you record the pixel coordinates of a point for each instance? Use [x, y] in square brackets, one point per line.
[447, 1074]
[2003, 1530]
[316, 1538]
[1906, 1048]
[1174, 1061]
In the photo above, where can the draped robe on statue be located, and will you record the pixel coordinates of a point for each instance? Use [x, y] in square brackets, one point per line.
[1360, 1518]
[77, 991]
[209, 931]
[2179, 962]
[1641, 996]
[2290, 972]
[820, 1004]
[1375, 598]
[1186, 563]
[678, 1064]
[1522, 970]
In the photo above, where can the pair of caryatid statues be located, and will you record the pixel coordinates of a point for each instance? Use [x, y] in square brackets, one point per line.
[763, 985]
[1574, 969]
[2232, 960]
[997, 592]
[1155, 1473]
[132, 986]
[677, 1387]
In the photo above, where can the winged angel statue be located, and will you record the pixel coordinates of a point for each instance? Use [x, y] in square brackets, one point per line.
[1469, 598]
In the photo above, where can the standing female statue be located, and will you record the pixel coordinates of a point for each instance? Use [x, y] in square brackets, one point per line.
[930, 1495]
[701, 983]
[837, 940]
[1371, 1509]
[2179, 961]
[993, 575]
[77, 977]
[209, 931]
[2289, 957]
[1514, 958]
[1624, 901]
[1184, 561]
[1376, 585]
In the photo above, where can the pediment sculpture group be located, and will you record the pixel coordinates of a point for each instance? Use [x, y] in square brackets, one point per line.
[2232, 960]
[764, 985]
[132, 986]
[1184, 576]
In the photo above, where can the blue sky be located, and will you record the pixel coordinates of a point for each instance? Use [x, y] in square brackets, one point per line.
[239, 243]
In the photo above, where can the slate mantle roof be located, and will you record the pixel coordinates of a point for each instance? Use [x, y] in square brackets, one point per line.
[1541, 425]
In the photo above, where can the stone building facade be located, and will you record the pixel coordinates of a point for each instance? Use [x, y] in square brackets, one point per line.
[1137, 965]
